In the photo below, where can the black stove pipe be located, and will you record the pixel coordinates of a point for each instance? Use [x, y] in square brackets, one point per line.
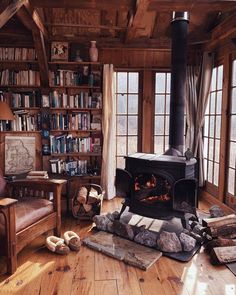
[179, 32]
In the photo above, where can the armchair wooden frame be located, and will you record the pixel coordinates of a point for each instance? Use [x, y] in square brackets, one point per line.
[16, 241]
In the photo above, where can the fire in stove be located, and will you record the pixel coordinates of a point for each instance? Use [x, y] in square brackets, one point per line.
[150, 188]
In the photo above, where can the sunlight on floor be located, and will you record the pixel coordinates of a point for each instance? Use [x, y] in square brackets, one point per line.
[230, 289]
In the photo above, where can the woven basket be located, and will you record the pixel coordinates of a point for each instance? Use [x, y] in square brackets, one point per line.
[78, 209]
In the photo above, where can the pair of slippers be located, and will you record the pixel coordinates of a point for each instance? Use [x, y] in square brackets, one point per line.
[57, 245]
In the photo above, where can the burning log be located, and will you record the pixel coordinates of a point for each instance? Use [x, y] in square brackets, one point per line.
[222, 255]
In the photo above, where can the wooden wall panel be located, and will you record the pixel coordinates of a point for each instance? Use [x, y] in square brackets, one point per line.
[135, 58]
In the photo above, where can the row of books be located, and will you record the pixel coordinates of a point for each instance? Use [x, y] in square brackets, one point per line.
[24, 121]
[9, 53]
[25, 99]
[21, 78]
[74, 78]
[70, 167]
[68, 144]
[80, 100]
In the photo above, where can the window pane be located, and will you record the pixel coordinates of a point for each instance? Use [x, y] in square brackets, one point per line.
[167, 104]
[234, 73]
[159, 104]
[218, 103]
[232, 155]
[132, 144]
[121, 145]
[211, 149]
[121, 125]
[210, 171]
[213, 80]
[233, 101]
[121, 104]
[217, 150]
[132, 125]
[158, 145]
[160, 82]
[212, 103]
[218, 127]
[231, 181]
[216, 174]
[168, 82]
[220, 77]
[205, 151]
[206, 125]
[212, 126]
[121, 82]
[133, 82]
[133, 104]
[205, 169]
[166, 138]
[159, 125]
[167, 125]
[208, 108]
[233, 128]
[120, 162]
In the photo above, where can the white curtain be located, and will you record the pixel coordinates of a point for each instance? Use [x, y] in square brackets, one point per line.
[109, 133]
[198, 88]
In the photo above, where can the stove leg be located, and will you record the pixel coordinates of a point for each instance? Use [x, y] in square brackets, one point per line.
[124, 205]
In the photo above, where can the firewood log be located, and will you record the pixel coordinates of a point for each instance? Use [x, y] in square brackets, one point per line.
[227, 230]
[219, 221]
[222, 255]
[87, 207]
[82, 199]
[220, 242]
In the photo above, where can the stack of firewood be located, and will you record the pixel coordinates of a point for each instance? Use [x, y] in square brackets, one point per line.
[86, 203]
[222, 248]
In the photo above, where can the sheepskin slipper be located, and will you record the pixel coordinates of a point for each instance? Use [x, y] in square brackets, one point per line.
[72, 240]
[57, 245]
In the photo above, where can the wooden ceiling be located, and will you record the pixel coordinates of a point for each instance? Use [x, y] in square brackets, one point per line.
[113, 23]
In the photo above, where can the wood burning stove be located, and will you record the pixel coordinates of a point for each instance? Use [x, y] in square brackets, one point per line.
[160, 186]
[165, 186]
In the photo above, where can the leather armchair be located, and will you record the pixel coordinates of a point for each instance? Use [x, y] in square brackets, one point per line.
[34, 207]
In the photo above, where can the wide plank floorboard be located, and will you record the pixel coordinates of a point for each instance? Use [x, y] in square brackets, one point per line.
[88, 272]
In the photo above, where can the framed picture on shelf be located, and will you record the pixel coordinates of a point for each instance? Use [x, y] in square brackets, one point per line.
[59, 51]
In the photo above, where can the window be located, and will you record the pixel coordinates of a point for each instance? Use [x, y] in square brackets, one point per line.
[232, 137]
[127, 101]
[212, 128]
[162, 112]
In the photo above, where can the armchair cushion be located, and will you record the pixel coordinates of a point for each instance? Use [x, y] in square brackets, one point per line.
[28, 211]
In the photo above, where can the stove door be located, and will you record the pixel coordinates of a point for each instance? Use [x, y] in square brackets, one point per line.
[123, 183]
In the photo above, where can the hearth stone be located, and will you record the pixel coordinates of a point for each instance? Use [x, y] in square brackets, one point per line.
[188, 243]
[146, 238]
[101, 221]
[216, 211]
[122, 229]
[169, 242]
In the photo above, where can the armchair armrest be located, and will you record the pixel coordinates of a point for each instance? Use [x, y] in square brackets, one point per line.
[7, 202]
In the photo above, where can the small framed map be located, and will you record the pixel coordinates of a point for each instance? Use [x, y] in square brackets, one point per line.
[20, 154]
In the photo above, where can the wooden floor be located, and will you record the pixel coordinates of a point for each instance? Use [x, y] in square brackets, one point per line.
[91, 273]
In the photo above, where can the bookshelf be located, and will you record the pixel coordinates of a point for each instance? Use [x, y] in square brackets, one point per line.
[65, 116]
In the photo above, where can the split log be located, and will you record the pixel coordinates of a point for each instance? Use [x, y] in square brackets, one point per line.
[228, 230]
[219, 221]
[82, 195]
[222, 255]
[81, 199]
[220, 242]
[87, 207]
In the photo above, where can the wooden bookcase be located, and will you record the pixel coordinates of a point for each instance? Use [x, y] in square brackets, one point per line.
[64, 117]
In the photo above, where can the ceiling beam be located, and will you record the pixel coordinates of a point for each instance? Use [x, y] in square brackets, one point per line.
[39, 45]
[84, 4]
[191, 5]
[9, 11]
[36, 18]
[226, 30]
[136, 19]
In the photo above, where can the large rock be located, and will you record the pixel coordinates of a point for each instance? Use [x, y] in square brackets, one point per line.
[123, 230]
[101, 221]
[169, 242]
[216, 211]
[188, 243]
[146, 238]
